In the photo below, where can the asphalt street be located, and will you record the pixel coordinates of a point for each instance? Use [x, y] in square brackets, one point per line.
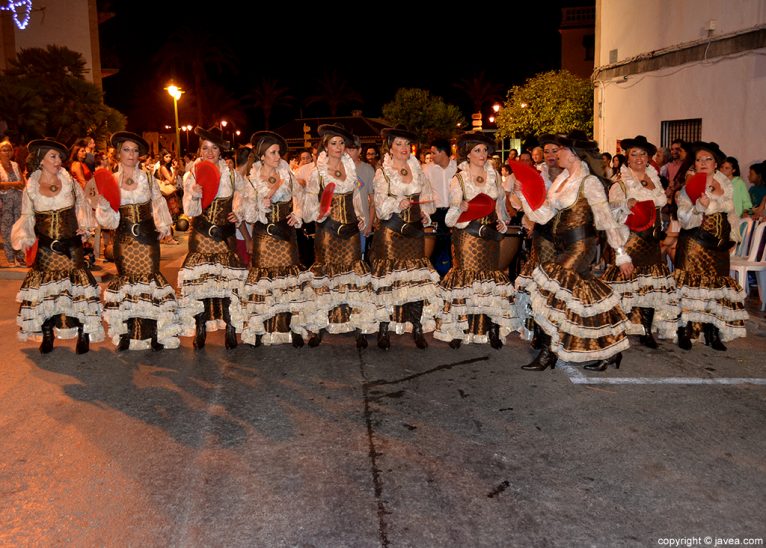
[331, 446]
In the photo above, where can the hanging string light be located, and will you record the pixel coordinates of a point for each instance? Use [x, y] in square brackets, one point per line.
[20, 11]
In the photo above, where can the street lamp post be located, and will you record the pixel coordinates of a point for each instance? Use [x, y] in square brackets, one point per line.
[175, 92]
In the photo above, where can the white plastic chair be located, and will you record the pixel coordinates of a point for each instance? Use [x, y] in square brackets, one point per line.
[745, 232]
[754, 262]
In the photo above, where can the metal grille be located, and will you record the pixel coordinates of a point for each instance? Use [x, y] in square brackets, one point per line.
[689, 130]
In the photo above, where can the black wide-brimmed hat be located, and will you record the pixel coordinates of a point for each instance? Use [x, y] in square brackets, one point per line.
[547, 139]
[711, 147]
[45, 144]
[391, 133]
[470, 139]
[121, 136]
[336, 129]
[267, 138]
[639, 141]
[577, 140]
[214, 135]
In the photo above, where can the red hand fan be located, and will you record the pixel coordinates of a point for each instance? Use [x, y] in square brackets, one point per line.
[642, 216]
[695, 186]
[31, 254]
[108, 187]
[479, 206]
[532, 183]
[326, 202]
[208, 177]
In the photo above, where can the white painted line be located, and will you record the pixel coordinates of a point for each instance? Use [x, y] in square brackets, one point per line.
[576, 377]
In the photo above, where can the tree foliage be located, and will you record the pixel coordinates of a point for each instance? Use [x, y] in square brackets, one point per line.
[550, 102]
[43, 94]
[426, 115]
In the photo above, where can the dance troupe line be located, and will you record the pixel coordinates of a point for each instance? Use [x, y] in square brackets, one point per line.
[568, 312]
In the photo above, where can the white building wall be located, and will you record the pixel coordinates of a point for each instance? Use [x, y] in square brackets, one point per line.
[63, 23]
[728, 94]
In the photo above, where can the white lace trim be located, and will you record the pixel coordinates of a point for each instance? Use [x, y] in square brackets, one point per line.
[540, 280]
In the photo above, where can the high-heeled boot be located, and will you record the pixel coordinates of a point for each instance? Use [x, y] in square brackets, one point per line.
[713, 337]
[201, 331]
[647, 339]
[46, 346]
[297, 339]
[601, 365]
[545, 358]
[316, 339]
[494, 337]
[684, 336]
[361, 339]
[535, 341]
[384, 340]
[416, 314]
[83, 341]
[230, 336]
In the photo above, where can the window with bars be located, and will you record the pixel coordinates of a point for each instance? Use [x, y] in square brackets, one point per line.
[689, 130]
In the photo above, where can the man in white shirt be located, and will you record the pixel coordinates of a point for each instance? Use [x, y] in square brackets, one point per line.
[440, 173]
[365, 174]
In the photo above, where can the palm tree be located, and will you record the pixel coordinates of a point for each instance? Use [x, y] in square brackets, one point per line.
[190, 54]
[480, 90]
[267, 96]
[53, 62]
[334, 91]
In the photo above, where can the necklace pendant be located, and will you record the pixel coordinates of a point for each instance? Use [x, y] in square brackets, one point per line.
[479, 179]
[272, 180]
[404, 172]
[338, 173]
[54, 188]
[129, 182]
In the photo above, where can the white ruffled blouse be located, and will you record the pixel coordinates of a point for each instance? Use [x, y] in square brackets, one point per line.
[193, 201]
[618, 198]
[23, 231]
[690, 215]
[391, 189]
[259, 188]
[563, 194]
[349, 184]
[493, 187]
[144, 191]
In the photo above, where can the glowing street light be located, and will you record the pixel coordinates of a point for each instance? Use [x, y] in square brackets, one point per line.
[187, 128]
[175, 92]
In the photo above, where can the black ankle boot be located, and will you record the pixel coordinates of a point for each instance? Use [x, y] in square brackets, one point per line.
[230, 338]
[316, 339]
[83, 341]
[156, 345]
[602, 365]
[361, 340]
[494, 337]
[455, 344]
[684, 337]
[545, 358]
[201, 332]
[124, 343]
[647, 339]
[297, 340]
[417, 334]
[384, 340]
[46, 346]
[713, 337]
[415, 316]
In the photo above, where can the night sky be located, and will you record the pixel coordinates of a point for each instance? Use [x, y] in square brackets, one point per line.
[406, 45]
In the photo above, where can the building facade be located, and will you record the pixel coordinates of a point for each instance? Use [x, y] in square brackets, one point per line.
[694, 69]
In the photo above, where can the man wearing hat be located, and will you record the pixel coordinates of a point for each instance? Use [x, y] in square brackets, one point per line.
[58, 293]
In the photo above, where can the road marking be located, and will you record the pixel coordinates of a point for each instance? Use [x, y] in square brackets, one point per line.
[577, 377]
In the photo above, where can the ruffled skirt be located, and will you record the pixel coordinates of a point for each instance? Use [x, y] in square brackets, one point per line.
[706, 293]
[475, 293]
[142, 294]
[582, 315]
[59, 286]
[343, 298]
[210, 282]
[650, 286]
[276, 294]
[402, 274]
